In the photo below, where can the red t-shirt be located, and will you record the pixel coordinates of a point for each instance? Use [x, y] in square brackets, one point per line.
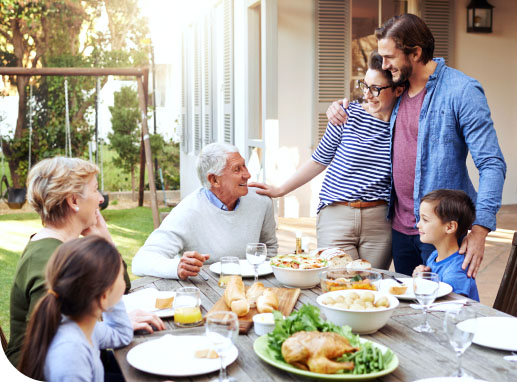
[404, 161]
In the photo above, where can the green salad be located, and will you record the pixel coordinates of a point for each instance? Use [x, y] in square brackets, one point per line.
[368, 359]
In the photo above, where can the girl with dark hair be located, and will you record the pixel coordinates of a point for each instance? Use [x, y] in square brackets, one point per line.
[65, 334]
[353, 198]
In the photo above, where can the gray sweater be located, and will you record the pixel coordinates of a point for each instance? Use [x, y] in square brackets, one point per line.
[71, 357]
[196, 224]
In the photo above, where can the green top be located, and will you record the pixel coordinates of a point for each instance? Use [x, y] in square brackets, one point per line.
[28, 288]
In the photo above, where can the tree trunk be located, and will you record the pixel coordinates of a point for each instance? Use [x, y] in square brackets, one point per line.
[133, 195]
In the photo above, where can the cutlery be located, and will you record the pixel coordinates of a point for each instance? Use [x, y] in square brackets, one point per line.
[394, 278]
[462, 302]
[511, 358]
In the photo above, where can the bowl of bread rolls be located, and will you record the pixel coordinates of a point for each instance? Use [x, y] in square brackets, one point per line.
[364, 311]
[298, 270]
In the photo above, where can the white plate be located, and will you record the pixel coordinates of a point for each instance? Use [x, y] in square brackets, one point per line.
[174, 356]
[450, 379]
[385, 285]
[145, 299]
[496, 332]
[246, 268]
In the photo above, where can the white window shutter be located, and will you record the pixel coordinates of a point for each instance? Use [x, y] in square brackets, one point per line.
[333, 34]
[197, 89]
[438, 15]
[207, 82]
[228, 71]
[184, 94]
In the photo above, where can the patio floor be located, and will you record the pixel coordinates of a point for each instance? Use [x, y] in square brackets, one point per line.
[497, 247]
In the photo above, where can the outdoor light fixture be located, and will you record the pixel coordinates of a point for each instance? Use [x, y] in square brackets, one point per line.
[479, 16]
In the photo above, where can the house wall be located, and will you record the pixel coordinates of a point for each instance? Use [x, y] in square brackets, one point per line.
[492, 60]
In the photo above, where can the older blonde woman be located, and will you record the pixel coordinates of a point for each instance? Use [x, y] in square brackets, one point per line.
[64, 192]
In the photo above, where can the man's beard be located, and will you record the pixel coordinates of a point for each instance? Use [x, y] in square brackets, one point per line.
[405, 72]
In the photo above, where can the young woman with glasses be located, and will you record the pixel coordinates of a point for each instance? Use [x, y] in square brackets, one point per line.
[353, 208]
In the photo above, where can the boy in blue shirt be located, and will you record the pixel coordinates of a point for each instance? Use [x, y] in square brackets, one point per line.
[445, 217]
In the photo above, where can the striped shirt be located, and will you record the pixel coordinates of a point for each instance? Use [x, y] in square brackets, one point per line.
[358, 158]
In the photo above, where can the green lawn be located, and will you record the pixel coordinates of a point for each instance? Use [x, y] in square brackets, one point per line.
[129, 229]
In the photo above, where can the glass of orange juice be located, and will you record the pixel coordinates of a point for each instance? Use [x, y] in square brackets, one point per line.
[187, 307]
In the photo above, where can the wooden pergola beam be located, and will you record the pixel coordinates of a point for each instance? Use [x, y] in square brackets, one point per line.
[141, 74]
[19, 71]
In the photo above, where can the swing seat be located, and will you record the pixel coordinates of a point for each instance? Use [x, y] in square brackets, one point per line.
[106, 201]
[14, 197]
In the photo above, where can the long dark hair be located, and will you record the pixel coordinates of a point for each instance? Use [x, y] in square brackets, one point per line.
[77, 275]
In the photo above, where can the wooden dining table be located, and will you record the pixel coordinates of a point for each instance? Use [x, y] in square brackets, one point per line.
[420, 355]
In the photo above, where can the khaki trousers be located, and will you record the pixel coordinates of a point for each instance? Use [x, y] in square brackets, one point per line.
[363, 233]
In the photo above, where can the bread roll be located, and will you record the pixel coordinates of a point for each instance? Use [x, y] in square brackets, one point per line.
[267, 302]
[254, 292]
[164, 303]
[234, 290]
[240, 307]
[359, 264]
[336, 257]
[235, 297]
[398, 289]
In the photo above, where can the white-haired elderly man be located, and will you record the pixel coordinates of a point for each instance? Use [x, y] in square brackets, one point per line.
[216, 220]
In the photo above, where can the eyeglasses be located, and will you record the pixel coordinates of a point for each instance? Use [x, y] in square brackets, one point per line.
[374, 90]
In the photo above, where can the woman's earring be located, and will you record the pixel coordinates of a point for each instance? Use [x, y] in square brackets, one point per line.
[76, 209]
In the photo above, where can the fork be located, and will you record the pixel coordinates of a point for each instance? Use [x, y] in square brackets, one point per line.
[396, 279]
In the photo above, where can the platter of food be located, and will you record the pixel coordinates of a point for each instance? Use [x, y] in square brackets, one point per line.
[187, 352]
[405, 291]
[329, 352]
[247, 301]
[247, 269]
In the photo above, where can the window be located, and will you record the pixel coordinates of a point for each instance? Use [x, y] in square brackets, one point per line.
[367, 15]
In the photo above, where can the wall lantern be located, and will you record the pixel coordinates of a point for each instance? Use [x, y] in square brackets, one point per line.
[479, 16]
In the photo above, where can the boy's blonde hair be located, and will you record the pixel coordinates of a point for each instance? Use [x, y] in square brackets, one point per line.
[51, 181]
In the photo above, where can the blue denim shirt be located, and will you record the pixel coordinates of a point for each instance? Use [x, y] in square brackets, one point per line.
[454, 120]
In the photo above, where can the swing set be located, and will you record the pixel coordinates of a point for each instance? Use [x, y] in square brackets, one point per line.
[16, 196]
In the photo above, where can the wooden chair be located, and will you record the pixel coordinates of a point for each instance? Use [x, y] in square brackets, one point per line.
[506, 300]
[4, 340]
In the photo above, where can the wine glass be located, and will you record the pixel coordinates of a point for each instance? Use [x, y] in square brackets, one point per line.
[425, 287]
[222, 328]
[256, 254]
[460, 327]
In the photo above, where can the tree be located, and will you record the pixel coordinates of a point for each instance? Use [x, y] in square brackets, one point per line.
[125, 138]
[168, 157]
[61, 33]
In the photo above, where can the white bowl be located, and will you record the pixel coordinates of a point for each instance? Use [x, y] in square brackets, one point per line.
[298, 278]
[263, 323]
[361, 321]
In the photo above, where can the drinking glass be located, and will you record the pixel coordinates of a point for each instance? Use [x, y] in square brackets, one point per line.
[460, 327]
[229, 266]
[256, 254]
[186, 305]
[425, 287]
[222, 329]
